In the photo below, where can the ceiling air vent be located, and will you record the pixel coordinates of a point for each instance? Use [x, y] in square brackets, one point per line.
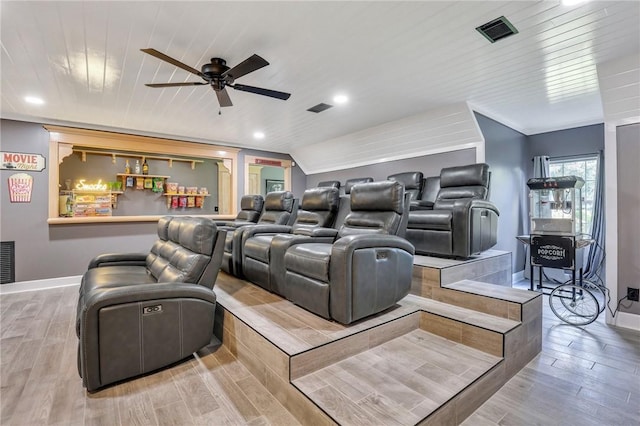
[497, 29]
[320, 107]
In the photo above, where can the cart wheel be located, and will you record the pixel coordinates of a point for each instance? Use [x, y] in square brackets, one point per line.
[574, 305]
[598, 291]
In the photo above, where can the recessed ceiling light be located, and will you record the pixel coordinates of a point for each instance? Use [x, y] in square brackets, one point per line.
[258, 135]
[340, 99]
[33, 100]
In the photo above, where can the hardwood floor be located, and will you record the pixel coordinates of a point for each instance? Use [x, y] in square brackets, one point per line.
[583, 376]
[40, 383]
[588, 375]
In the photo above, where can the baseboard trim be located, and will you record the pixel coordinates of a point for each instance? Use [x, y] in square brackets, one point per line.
[627, 320]
[40, 284]
[517, 276]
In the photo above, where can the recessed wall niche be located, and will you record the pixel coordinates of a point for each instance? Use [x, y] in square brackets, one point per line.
[150, 194]
[92, 182]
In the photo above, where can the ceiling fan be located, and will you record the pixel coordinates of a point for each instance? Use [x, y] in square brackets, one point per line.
[219, 76]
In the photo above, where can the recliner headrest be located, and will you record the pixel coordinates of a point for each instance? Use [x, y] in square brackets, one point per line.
[329, 183]
[326, 199]
[163, 227]
[469, 175]
[378, 196]
[252, 202]
[348, 185]
[279, 200]
[194, 233]
[431, 188]
[410, 180]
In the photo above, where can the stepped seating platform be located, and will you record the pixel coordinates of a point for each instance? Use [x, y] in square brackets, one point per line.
[424, 361]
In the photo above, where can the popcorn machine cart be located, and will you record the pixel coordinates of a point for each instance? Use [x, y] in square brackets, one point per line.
[557, 241]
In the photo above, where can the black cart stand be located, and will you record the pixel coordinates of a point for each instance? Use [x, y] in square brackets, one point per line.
[555, 251]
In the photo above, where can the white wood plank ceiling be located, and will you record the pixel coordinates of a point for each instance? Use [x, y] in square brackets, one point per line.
[393, 60]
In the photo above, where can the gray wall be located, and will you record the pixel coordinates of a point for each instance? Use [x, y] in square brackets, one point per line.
[628, 159]
[505, 152]
[430, 165]
[44, 251]
[50, 251]
[566, 143]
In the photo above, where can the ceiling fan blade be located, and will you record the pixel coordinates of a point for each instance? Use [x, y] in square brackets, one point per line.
[250, 64]
[175, 84]
[260, 91]
[162, 56]
[223, 98]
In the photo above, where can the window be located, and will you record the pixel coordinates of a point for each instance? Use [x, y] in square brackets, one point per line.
[586, 168]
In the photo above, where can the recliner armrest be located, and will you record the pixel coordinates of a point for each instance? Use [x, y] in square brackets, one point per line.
[119, 259]
[100, 298]
[115, 299]
[250, 231]
[368, 273]
[236, 224]
[317, 232]
[421, 205]
[346, 245]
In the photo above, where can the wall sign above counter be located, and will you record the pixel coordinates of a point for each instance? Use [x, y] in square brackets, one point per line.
[265, 162]
[22, 161]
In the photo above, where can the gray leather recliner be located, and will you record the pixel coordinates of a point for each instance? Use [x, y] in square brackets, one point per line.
[138, 312]
[462, 222]
[413, 183]
[366, 270]
[349, 183]
[250, 209]
[317, 210]
[280, 208]
[329, 183]
[430, 190]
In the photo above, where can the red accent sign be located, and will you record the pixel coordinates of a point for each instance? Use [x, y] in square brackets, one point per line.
[265, 162]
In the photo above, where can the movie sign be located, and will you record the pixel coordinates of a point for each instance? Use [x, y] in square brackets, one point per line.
[22, 161]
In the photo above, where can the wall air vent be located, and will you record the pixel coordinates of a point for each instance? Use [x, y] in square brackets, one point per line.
[320, 107]
[7, 262]
[497, 29]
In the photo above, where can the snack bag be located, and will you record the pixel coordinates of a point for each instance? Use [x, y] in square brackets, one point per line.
[157, 185]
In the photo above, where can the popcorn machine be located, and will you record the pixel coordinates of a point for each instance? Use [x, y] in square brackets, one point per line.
[555, 212]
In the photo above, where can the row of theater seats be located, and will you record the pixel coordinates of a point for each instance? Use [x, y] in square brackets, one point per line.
[342, 257]
[450, 213]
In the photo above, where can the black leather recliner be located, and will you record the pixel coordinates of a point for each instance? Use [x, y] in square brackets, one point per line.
[138, 312]
[250, 209]
[330, 184]
[366, 270]
[413, 183]
[430, 190]
[462, 222]
[349, 183]
[280, 208]
[317, 210]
